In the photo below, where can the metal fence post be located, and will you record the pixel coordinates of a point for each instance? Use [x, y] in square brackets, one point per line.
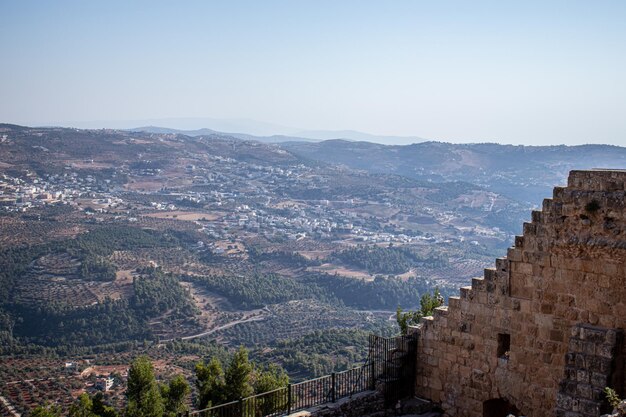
[288, 398]
[372, 376]
[241, 410]
[333, 393]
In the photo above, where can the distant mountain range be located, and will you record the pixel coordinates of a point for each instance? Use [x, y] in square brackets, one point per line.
[211, 132]
[247, 126]
[524, 173]
[246, 129]
[299, 136]
[358, 136]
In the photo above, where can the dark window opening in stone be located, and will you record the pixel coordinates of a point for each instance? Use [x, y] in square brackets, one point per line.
[499, 407]
[504, 345]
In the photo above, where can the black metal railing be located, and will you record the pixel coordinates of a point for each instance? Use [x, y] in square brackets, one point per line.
[394, 362]
[310, 393]
[294, 397]
[391, 362]
[353, 381]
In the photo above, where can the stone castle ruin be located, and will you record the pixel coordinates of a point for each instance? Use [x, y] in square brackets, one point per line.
[541, 334]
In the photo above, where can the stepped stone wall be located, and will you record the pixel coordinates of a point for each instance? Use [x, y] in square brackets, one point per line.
[539, 334]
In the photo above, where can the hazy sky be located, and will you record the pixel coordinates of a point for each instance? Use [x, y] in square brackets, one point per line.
[507, 71]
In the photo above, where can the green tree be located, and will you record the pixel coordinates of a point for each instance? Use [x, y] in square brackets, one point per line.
[83, 407]
[268, 380]
[48, 410]
[237, 376]
[99, 408]
[174, 395]
[428, 303]
[210, 383]
[405, 318]
[143, 394]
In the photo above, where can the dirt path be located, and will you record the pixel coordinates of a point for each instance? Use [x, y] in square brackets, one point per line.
[211, 305]
[259, 317]
[392, 314]
[252, 315]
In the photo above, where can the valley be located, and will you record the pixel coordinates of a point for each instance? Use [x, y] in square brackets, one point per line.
[117, 243]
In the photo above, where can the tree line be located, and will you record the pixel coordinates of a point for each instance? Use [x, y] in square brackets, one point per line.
[216, 383]
[380, 293]
[256, 289]
[385, 260]
[112, 321]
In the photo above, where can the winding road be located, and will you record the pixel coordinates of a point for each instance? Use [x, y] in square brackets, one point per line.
[254, 315]
[225, 326]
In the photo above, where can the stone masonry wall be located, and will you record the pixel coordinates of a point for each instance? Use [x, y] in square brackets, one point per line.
[588, 366]
[507, 336]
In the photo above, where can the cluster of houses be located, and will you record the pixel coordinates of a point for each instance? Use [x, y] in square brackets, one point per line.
[285, 203]
[30, 190]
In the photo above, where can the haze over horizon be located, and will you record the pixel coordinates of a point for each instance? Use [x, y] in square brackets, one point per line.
[531, 73]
